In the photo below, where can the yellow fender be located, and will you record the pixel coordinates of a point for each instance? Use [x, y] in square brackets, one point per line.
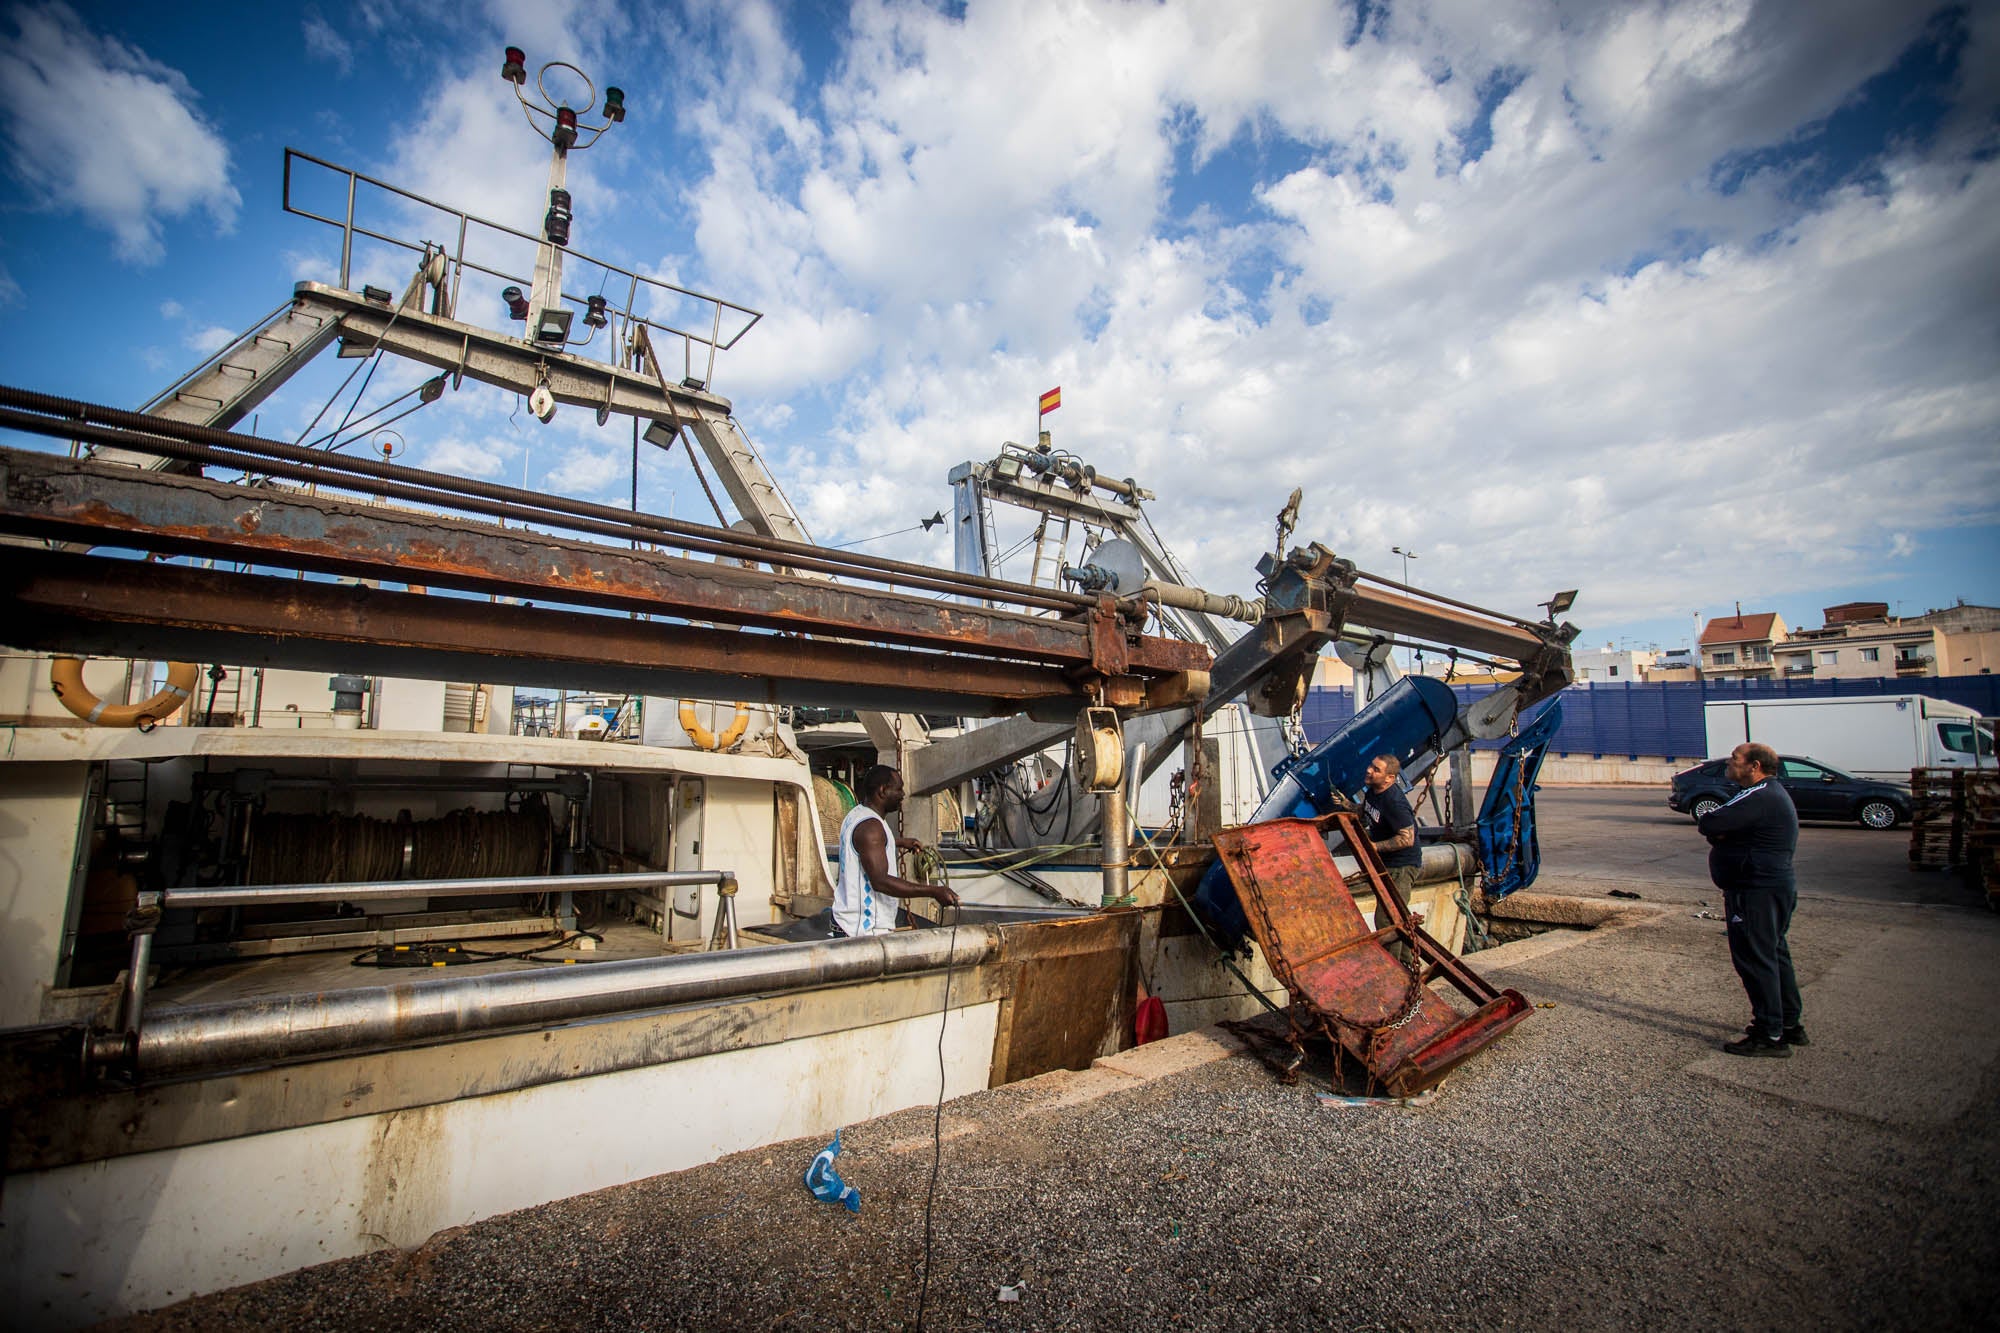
[66, 680]
[707, 739]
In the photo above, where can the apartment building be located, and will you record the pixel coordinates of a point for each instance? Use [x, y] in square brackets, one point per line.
[1862, 641]
[1739, 647]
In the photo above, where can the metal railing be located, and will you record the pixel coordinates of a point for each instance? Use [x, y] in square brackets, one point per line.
[625, 319]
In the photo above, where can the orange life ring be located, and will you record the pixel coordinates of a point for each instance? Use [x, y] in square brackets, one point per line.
[66, 680]
[707, 739]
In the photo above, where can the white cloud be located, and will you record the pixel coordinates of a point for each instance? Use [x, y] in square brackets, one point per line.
[213, 338]
[324, 42]
[587, 470]
[464, 458]
[10, 290]
[1575, 360]
[99, 127]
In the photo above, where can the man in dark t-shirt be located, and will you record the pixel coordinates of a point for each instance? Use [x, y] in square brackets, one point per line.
[1391, 825]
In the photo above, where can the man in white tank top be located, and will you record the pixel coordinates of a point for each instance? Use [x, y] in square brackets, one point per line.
[866, 898]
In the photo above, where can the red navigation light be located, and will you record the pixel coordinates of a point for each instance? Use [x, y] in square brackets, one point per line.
[516, 68]
[565, 134]
[517, 302]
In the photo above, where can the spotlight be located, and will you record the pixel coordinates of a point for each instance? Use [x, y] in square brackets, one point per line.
[517, 302]
[1560, 603]
[515, 70]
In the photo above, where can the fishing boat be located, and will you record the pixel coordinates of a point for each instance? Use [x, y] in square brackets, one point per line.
[386, 850]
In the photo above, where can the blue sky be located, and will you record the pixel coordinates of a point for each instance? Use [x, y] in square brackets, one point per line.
[1683, 305]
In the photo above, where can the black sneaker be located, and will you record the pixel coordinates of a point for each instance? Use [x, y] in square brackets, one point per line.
[1756, 1043]
[1795, 1035]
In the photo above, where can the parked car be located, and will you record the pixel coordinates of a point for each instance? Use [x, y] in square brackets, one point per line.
[1820, 791]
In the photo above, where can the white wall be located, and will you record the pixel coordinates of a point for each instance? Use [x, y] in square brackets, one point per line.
[41, 806]
[134, 1233]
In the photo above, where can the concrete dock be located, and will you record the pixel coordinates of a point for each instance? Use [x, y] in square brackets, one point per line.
[1603, 1165]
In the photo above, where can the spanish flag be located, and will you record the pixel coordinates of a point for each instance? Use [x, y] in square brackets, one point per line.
[1051, 400]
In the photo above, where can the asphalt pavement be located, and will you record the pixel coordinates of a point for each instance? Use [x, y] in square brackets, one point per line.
[1604, 1165]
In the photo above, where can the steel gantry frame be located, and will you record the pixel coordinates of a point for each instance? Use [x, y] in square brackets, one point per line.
[749, 623]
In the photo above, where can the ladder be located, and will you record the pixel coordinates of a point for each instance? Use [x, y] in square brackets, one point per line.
[222, 390]
[122, 812]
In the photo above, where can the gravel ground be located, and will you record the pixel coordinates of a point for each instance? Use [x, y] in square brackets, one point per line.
[1602, 1166]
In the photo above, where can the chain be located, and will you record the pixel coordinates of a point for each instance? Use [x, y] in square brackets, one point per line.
[1197, 765]
[1176, 804]
[1514, 824]
[1295, 729]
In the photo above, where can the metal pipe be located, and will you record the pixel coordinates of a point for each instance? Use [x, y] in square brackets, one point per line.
[158, 435]
[1117, 850]
[1250, 610]
[265, 894]
[320, 468]
[213, 1036]
[145, 919]
[1440, 597]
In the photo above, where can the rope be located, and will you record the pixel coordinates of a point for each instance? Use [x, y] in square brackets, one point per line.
[1222, 955]
[336, 849]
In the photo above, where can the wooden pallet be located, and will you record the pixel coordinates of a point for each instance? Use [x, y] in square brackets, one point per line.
[1955, 819]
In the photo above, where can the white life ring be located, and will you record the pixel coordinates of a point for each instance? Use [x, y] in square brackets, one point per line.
[66, 680]
[708, 740]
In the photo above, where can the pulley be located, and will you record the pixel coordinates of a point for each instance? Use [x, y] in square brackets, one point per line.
[1100, 750]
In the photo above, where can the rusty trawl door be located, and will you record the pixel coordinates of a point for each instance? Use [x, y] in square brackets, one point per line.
[1345, 983]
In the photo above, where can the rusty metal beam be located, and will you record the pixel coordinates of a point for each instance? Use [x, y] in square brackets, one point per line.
[67, 500]
[65, 602]
[1391, 613]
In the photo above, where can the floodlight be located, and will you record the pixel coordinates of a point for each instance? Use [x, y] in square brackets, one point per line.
[552, 326]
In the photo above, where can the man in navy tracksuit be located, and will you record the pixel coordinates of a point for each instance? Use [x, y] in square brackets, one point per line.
[1751, 840]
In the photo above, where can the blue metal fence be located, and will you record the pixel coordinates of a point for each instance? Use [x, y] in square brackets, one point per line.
[1664, 719]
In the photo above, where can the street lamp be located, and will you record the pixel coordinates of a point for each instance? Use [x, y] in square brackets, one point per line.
[1408, 556]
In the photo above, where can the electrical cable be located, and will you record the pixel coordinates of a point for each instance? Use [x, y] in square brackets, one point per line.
[431, 954]
[331, 399]
[934, 865]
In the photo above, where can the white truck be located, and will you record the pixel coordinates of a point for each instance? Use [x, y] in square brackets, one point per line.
[1882, 737]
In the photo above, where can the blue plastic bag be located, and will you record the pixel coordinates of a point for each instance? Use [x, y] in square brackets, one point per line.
[825, 1182]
